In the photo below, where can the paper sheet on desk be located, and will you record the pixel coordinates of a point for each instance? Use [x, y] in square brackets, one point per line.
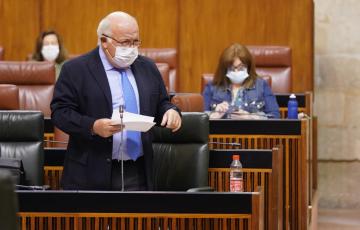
[132, 121]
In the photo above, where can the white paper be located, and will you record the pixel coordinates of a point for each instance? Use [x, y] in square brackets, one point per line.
[133, 121]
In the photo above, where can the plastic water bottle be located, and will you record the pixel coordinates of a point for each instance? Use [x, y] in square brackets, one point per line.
[236, 175]
[292, 107]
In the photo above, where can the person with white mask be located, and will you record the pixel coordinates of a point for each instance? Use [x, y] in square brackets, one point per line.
[236, 90]
[111, 77]
[49, 47]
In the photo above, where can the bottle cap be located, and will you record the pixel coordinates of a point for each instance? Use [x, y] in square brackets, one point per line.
[236, 157]
[292, 96]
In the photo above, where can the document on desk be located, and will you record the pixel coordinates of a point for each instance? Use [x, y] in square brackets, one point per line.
[133, 121]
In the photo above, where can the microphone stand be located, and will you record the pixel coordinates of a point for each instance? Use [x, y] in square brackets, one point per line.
[121, 112]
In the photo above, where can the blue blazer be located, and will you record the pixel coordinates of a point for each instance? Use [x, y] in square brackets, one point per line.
[82, 95]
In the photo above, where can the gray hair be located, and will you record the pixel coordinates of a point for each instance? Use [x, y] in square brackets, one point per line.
[105, 24]
[104, 28]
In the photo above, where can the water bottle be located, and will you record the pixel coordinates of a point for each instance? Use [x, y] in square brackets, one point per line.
[236, 175]
[292, 107]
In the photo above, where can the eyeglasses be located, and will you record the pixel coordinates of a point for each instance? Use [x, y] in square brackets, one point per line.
[238, 68]
[125, 43]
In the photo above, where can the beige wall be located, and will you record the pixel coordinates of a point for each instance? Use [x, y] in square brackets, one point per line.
[337, 101]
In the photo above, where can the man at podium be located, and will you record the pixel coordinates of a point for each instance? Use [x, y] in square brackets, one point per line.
[110, 77]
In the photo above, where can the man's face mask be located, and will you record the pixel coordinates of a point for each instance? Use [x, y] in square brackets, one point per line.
[237, 77]
[50, 52]
[125, 56]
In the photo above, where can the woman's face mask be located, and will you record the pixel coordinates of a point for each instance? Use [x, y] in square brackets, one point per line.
[237, 77]
[50, 52]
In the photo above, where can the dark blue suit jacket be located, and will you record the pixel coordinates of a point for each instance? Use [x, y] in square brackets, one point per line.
[82, 95]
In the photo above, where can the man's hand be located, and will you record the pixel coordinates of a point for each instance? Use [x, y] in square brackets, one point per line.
[104, 128]
[172, 120]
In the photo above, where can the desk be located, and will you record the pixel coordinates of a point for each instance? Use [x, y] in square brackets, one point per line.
[305, 103]
[260, 168]
[139, 210]
[294, 137]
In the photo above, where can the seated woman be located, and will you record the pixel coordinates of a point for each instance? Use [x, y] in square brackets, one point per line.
[49, 47]
[237, 91]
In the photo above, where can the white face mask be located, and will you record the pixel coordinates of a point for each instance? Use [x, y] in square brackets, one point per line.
[237, 77]
[50, 52]
[125, 56]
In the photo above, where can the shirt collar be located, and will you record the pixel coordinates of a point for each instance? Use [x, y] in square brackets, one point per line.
[107, 65]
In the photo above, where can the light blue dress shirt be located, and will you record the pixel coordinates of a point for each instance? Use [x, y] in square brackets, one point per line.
[114, 79]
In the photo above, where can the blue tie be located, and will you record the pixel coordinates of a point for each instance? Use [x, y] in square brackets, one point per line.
[133, 137]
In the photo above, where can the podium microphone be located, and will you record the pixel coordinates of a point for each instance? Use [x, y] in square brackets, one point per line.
[121, 112]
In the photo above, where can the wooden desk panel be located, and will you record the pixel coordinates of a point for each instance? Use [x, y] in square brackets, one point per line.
[139, 210]
[261, 168]
[264, 172]
[293, 135]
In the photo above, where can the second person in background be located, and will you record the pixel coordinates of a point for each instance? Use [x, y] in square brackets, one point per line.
[49, 47]
[236, 90]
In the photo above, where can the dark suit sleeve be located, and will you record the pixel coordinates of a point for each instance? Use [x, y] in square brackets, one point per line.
[65, 106]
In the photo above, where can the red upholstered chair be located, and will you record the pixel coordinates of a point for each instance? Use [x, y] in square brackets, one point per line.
[1, 53]
[165, 60]
[35, 81]
[188, 102]
[60, 138]
[70, 56]
[9, 97]
[164, 70]
[273, 61]
[164, 55]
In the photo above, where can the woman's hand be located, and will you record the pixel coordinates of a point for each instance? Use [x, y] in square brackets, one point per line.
[240, 112]
[222, 107]
[247, 116]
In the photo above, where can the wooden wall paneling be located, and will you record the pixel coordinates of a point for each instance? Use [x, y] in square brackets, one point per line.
[301, 35]
[19, 23]
[207, 27]
[77, 21]
[199, 29]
